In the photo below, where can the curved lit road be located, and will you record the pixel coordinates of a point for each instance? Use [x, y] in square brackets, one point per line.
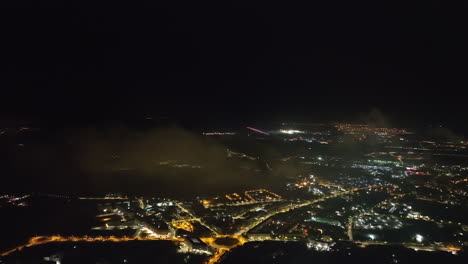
[292, 206]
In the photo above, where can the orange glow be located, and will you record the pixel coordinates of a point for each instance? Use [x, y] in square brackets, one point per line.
[216, 256]
[185, 225]
[221, 249]
[211, 241]
[453, 248]
[233, 197]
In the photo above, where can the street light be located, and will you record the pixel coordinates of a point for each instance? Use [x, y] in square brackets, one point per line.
[419, 238]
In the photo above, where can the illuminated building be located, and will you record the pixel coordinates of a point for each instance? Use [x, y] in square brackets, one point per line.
[195, 245]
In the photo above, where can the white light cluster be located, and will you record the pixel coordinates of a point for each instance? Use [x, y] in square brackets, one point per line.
[290, 131]
[419, 238]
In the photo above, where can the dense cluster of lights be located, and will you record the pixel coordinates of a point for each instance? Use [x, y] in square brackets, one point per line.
[291, 131]
[378, 222]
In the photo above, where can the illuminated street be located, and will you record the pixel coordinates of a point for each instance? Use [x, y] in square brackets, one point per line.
[221, 244]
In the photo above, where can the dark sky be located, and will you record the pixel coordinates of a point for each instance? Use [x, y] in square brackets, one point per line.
[205, 62]
[218, 64]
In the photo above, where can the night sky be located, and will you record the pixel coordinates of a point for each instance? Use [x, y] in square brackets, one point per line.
[205, 63]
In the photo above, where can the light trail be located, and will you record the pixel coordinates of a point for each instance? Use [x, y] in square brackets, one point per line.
[350, 228]
[257, 130]
[105, 215]
[216, 256]
[103, 198]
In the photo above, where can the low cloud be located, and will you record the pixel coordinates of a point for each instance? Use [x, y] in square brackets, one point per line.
[170, 159]
[375, 118]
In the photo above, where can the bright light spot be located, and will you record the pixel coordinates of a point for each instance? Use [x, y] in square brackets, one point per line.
[372, 236]
[419, 238]
[290, 131]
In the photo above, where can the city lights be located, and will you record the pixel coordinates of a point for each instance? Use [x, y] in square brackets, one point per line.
[325, 200]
